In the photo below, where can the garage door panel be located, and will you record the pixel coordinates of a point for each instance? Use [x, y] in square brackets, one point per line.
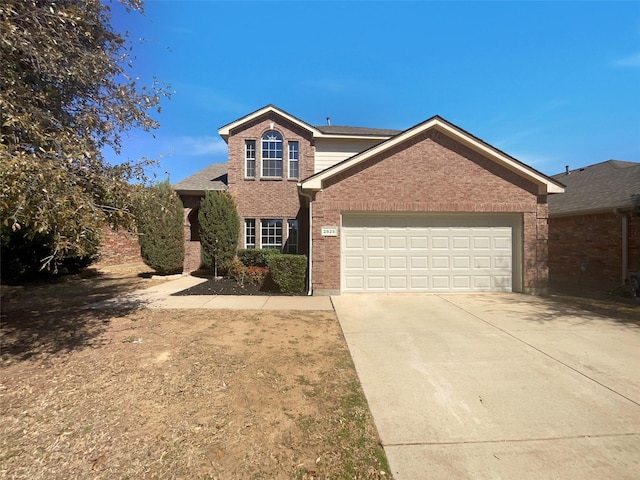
[397, 262]
[439, 243]
[375, 262]
[375, 242]
[419, 283]
[354, 241]
[376, 283]
[398, 283]
[419, 262]
[418, 242]
[354, 262]
[461, 262]
[481, 243]
[397, 242]
[461, 242]
[404, 253]
[440, 263]
[354, 282]
[480, 262]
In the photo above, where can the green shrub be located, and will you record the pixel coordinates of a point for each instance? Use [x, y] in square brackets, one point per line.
[253, 257]
[159, 218]
[288, 272]
[236, 270]
[219, 228]
[23, 254]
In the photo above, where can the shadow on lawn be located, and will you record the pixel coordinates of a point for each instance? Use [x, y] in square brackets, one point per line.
[58, 316]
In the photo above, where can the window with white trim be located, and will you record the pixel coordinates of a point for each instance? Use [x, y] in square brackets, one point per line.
[293, 155]
[272, 154]
[292, 236]
[250, 158]
[271, 233]
[249, 233]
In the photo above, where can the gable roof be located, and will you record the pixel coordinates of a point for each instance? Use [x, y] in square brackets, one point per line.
[545, 183]
[327, 131]
[212, 177]
[604, 186]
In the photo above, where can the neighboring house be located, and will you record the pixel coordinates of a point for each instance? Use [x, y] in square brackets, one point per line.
[594, 228]
[431, 208]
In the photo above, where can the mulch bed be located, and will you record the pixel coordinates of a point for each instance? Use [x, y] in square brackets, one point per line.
[229, 286]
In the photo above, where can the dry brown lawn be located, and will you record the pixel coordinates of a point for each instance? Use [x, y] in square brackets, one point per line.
[139, 393]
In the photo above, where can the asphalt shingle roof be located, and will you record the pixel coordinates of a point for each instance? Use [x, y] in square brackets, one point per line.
[213, 177]
[600, 187]
[359, 131]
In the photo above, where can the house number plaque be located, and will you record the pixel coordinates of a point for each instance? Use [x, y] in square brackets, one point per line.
[329, 231]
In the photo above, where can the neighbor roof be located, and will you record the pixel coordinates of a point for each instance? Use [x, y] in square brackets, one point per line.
[604, 186]
[545, 183]
[357, 131]
[213, 177]
[327, 131]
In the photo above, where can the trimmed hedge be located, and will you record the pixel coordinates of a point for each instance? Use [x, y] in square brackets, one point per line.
[288, 272]
[253, 257]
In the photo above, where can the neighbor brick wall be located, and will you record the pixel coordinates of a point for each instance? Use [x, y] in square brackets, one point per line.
[267, 198]
[586, 250]
[431, 173]
[118, 247]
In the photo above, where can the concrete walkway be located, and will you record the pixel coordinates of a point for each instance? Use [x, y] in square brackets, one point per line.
[160, 296]
[497, 386]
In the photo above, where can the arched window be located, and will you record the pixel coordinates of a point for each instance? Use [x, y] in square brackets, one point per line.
[272, 154]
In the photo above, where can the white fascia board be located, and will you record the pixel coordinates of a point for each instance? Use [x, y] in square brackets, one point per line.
[225, 130]
[544, 184]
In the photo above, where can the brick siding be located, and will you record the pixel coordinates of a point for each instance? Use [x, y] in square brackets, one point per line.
[586, 250]
[118, 247]
[430, 173]
[268, 198]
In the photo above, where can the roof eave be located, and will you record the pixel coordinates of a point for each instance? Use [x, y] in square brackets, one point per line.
[592, 211]
[545, 184]
[225, 130]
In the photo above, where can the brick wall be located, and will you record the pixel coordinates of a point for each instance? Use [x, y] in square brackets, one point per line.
[117, 248]
[586, 250]
[430, 173]
[267, 198]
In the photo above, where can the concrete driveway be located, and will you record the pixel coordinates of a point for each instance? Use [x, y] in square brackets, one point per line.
[497, 386]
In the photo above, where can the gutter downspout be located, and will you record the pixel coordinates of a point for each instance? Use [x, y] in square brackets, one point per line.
[308, 197]
[625, 247]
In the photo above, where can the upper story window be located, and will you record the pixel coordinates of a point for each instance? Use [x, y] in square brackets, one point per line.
[293, 155]
[272, 154]
[250, 158]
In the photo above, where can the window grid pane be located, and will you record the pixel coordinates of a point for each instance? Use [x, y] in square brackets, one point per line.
[271, 233]
[250, 233]
[293, 159]
[292, 238]
[250, 158]
[272, 155]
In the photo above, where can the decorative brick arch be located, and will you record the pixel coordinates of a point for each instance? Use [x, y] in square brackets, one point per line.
[192, 248]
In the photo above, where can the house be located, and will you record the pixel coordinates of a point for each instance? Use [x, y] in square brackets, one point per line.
[191, 190]
[428, 209]
[594, 228]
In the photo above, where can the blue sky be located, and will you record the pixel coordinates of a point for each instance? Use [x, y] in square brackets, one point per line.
[550, 83]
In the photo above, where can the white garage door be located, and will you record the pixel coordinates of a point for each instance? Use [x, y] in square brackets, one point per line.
[426, 254]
